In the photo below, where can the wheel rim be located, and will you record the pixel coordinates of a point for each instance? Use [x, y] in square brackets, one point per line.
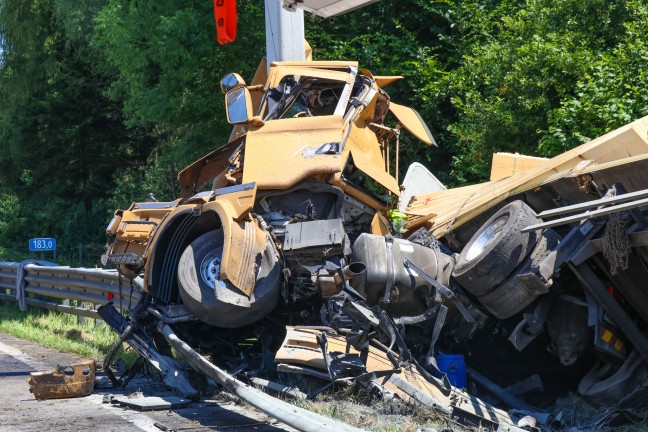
[210, 267]
[487, 237]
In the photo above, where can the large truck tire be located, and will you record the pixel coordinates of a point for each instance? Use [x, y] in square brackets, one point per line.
[216, 301]
[496, 249]
[516, 293]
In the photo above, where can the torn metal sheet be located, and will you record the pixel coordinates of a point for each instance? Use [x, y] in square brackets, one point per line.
[151, 403]
[64, 381]
[300, 347]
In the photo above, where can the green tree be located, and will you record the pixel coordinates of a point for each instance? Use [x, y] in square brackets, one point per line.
[169, 68]
[613, 91]
[61, 139]
[528, 61]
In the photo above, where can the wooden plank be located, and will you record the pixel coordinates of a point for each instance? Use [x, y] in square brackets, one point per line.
[508, 164]
[624, 145]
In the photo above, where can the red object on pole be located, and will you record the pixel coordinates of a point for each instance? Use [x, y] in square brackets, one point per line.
[225, 15]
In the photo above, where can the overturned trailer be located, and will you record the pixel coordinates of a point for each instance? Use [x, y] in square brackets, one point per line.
[576, 261]
[294, 222]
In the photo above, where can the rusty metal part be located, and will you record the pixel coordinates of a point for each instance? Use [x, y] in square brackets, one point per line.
[63, 382]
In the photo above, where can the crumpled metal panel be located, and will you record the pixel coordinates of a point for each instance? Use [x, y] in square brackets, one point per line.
[59, 383]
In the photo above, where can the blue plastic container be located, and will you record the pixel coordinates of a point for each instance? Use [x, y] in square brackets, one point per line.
[455, 367]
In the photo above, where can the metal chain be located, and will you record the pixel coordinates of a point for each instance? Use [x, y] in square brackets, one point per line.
[616, 243]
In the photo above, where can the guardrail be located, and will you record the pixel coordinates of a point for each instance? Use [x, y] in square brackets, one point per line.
[84, 285]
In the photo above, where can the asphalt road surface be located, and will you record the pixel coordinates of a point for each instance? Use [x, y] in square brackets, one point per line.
[21, 412]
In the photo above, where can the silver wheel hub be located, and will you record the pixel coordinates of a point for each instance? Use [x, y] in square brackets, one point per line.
[210, 267]
[487, 237]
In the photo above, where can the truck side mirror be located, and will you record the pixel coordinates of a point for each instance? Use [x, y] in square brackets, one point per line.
[231, 81]
[238, 105]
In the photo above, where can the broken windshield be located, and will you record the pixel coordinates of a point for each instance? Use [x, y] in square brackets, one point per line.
[305, 97]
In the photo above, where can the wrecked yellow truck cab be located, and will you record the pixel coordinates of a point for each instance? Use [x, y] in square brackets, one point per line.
[307, 171]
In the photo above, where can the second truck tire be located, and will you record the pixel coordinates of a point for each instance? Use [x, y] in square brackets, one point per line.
[516, 293]
[496, 249]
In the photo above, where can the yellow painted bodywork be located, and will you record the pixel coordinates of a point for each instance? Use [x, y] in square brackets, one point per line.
[411, 120]
[135, 227]
[382, 81]
[282, 152]
[194, 177]
[244, 239]
[332, 70]
[367, 158]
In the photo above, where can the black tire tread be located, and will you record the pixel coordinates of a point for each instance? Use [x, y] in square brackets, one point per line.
[513, 295]
[201, 299]
[489, 269]
[507, 299]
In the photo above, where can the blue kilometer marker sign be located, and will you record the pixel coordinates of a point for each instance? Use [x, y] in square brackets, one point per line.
[42, 244]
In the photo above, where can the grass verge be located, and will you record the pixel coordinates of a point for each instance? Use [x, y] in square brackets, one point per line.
[59, 331]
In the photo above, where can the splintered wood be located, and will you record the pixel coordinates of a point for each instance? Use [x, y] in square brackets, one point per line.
[443, 211]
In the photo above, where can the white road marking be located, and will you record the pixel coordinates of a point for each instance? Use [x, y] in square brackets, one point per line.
[22, 357]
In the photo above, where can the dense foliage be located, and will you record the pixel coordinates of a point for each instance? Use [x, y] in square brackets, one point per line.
[104, 101]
